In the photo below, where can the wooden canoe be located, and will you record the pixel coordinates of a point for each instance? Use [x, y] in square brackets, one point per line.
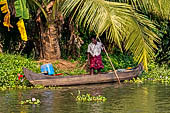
[47, 80]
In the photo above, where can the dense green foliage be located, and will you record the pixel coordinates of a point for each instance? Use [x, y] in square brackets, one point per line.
[122, 26]
[148, 18]
[119, 60]
[156, 73]
[163, 53]
[10, 66]
[157, 12]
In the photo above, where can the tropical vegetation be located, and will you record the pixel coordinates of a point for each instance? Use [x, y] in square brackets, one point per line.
[156, 74]
[61, 29]
[10, 66]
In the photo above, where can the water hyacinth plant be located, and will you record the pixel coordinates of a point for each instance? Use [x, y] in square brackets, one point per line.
[88, 98]
[31, 101]
[10, 66]
[157, 73]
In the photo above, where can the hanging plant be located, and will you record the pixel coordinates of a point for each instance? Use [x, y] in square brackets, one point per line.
[6, 11]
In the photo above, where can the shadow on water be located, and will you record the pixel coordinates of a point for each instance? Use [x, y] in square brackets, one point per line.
[124, 98]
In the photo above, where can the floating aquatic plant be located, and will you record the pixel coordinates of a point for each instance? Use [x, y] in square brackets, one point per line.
[135, 80]
[31, 101]
[88, 98]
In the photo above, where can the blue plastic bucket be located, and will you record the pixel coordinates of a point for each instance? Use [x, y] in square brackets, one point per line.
[47, 68]
[43, 69]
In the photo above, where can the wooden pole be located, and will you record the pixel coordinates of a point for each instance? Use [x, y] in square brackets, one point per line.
[111, 63]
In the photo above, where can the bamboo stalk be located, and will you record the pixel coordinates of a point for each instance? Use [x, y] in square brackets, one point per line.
[111, 63]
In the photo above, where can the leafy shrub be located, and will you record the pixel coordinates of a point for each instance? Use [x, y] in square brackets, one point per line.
[157, 72]
[119, 60]
[10, 65]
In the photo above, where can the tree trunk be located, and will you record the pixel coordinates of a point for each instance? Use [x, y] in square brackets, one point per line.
[50, 43]
[50, 35]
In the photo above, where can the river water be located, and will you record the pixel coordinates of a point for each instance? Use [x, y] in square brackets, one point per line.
[125, 98]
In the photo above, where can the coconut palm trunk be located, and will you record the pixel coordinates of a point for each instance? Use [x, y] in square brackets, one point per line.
[50, 35]
[50, 43]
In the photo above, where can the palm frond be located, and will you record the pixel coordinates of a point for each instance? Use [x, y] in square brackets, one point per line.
[157, 7]
[43, 11]
[142, 41]
[57, 7]
[117, 20]
[99, 16]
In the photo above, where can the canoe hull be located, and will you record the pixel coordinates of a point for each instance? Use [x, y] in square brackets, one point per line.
[45, 80]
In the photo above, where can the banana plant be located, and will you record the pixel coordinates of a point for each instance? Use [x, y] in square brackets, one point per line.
[21, 13]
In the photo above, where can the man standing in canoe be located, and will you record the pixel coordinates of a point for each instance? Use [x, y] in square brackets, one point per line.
[94, 55]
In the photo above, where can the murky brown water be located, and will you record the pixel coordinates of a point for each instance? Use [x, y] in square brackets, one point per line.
[127, 98]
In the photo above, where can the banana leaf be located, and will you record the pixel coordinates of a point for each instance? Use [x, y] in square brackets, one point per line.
[21, 9]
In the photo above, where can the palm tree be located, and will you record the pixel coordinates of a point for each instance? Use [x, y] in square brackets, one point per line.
[119, 21]
[50, 23]
[124, 25]
[50, 29]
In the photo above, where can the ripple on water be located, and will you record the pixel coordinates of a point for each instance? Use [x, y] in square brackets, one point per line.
[126, 98]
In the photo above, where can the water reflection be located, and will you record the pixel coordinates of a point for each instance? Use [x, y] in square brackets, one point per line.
[125, 98]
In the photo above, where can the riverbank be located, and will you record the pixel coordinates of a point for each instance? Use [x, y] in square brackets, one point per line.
[11, 65]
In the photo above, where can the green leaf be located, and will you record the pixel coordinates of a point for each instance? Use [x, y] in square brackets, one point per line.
[21, 9]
